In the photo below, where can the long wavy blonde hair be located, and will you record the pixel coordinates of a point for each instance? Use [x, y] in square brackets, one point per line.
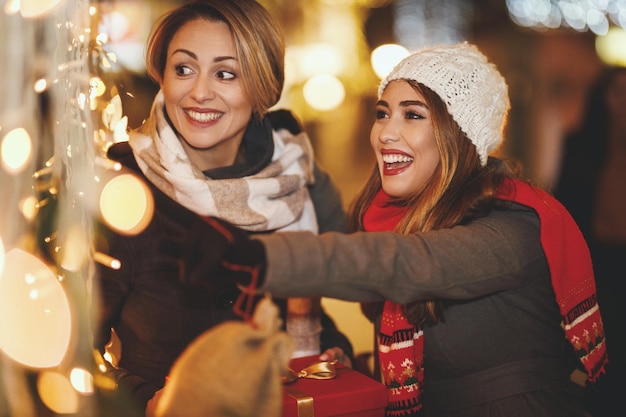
[459, 190]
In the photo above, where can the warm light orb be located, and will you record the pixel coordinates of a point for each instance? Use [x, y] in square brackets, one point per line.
[113, 118]
[611, 48]
[40, 85]
[29, 207]
[96, 87]
[37, 8]
[35, 328]
[16, 150]
[74, 249]
[324, 92]
[82, 381]
[126, 204]
[11, 7]
[113, 112]
[385, 57]
[321, 58]
[56, 392]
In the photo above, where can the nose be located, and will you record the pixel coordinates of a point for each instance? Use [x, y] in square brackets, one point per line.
[202, 89]
[389, 132]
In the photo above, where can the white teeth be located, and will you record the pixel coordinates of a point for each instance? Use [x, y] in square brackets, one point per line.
[203, 117]
[390, 159]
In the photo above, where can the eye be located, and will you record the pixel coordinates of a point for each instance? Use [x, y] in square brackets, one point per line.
[413, 115]
[226, 75]
[183, 70]
[381, 114]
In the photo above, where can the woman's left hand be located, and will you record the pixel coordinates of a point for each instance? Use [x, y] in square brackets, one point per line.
[338, 354]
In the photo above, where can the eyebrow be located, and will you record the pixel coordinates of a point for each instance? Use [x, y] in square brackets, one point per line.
[405, 103]
[194, 56]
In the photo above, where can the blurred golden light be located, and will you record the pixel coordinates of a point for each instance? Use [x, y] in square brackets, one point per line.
[324, 92]
[41, 85]
[321, 58]
[35, 328]
[16, 150]
[97, 87]
[74, 249]
[81, 100]
[56, 392]
[385, 57]
[126, 204]
[114, 120]
[82, 381]
[120, 133]
[611, 48]
[108, 163]
[37, 8]
[29, 207]
[11, 7]
[106, 260]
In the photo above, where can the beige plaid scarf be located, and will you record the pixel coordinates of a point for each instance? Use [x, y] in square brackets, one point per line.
[276, 198]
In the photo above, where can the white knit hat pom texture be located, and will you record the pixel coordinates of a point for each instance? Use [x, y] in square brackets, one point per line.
[474, 91]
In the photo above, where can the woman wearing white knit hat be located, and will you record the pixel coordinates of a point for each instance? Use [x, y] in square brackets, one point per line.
[481, 278]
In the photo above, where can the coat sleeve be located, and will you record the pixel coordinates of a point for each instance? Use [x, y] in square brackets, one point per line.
[463, 262]
[113, 289]
[326, 198]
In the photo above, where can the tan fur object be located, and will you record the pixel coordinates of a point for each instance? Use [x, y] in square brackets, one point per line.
[231, 370]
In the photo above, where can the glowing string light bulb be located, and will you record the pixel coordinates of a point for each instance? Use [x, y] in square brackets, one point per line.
[36, 325]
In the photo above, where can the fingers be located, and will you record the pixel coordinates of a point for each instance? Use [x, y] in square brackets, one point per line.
[331, 354]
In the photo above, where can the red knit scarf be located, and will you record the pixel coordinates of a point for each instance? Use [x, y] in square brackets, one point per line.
[401, 344]
[571, 271]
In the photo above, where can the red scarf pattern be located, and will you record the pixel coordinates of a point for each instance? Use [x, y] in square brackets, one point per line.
[571, 271]
[401, 344]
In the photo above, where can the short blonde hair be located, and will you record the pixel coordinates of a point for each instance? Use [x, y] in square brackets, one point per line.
[259, 43]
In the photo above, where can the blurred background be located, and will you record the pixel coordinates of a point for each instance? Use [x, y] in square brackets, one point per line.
[549, 51]
[72, 80]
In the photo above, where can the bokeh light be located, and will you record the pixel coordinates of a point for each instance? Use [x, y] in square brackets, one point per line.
[612, 48]
[580, 15]
[385, 57]
[82, 381]
[37, 8]
[126, 204]
[324, 92]
[36, 325]
[16, 150]
[29, 207]
[57, 393]
[74, 252]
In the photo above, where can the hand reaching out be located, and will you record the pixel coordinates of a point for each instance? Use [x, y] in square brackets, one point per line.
[338, 354]
[212, 253]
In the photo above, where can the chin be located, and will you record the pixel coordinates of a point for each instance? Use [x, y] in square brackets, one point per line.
[393, 191]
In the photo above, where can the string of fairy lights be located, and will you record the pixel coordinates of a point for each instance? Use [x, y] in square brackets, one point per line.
[57, 118]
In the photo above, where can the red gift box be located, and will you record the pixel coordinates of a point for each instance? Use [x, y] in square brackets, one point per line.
[349, 393]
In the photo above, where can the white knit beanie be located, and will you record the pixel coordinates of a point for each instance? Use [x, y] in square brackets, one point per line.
[474, 91]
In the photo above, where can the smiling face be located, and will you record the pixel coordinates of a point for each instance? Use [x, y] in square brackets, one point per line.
[203, 94]
[403, 140]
